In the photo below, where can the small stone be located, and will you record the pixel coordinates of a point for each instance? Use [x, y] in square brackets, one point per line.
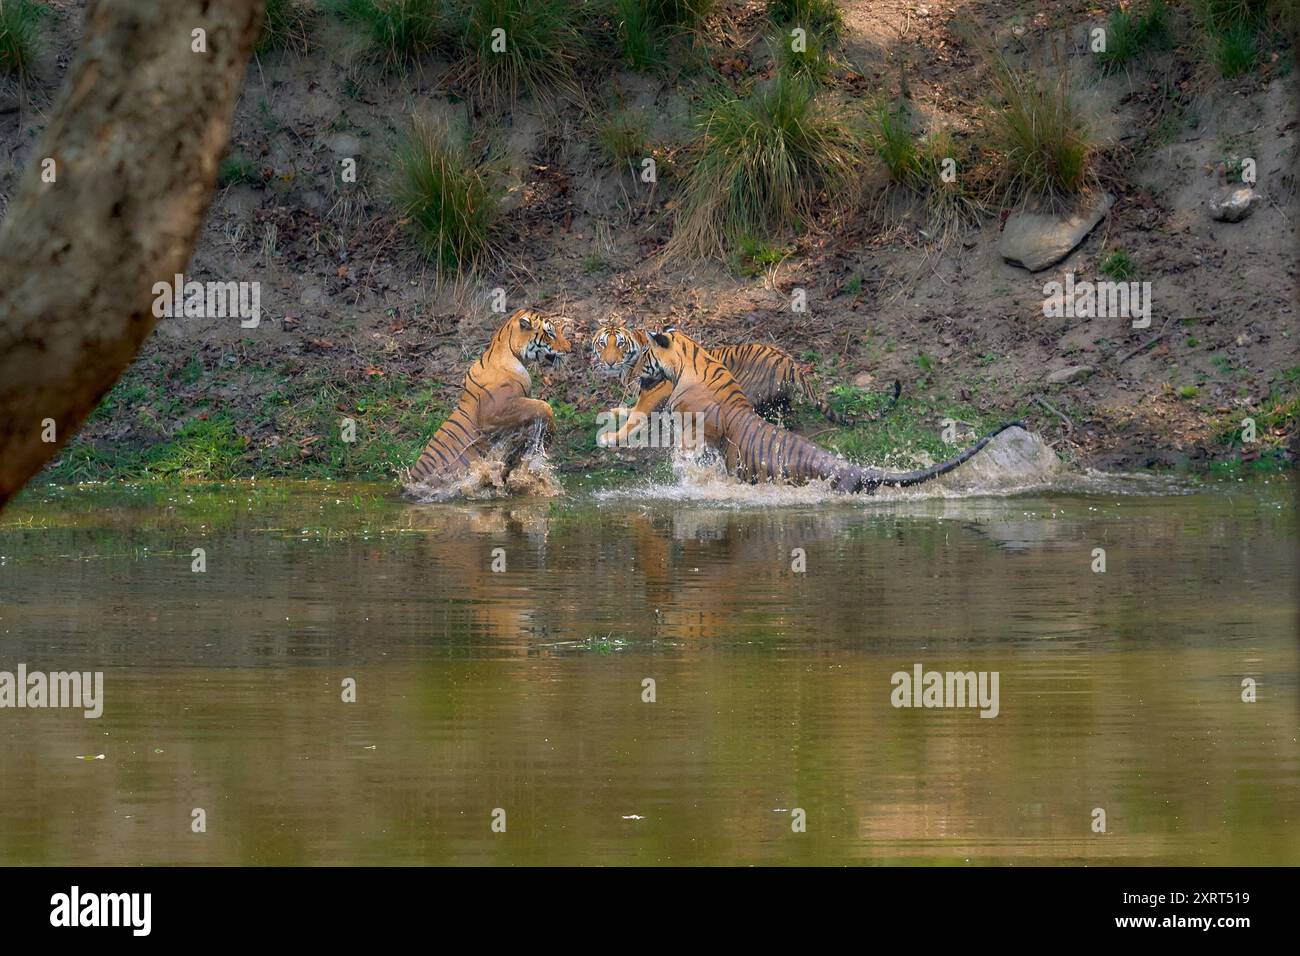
[1233, 203]
[343, 144]
[863, 380]
[1071, 373]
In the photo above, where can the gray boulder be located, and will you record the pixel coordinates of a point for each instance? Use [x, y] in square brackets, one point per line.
[1037, 240]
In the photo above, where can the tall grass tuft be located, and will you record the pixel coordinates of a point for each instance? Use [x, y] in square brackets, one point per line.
[646, 26]
[537, 52]
[622, 139]
[284, 27]
[1237, 32]
[918, 165]
[20, 27]
[892, 139]
[400, 31]
[1041, 138]
[450, 204]
[814, 61]
[643, 41]
[760, 165]
[1235, 50]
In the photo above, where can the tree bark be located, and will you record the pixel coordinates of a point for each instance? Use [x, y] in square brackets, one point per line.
[136, 138]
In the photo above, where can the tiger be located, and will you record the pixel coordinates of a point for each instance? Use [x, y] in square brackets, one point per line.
[757, 450]
[769, 376]
[494, 399]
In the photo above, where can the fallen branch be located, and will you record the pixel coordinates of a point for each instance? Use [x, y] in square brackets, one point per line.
[1155, 338]
[1145, 345]
[1044, 403]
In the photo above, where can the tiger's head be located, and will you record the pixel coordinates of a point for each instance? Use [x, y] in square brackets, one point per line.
[615, 350]
[669, 352]
[535, 338]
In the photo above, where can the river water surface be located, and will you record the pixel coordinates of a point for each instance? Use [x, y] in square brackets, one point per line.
[771, 635]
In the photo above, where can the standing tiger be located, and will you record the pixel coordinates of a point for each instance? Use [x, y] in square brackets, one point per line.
[755, 449]
[494, 400]
[769, 376]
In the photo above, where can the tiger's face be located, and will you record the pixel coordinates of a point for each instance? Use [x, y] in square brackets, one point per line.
[668, 353]
[614, 351]
[535, 338]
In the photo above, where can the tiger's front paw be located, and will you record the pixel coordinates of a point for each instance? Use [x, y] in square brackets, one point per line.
[613, 420]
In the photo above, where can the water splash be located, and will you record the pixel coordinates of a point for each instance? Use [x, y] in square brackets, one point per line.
[515, 466]
[1015, 462]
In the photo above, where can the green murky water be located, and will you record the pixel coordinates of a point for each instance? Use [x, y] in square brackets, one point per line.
[523, 690]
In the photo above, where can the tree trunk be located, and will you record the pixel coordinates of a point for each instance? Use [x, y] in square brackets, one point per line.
[136, 137]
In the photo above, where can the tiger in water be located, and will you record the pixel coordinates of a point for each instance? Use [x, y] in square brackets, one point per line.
[494, 400]
[770, 377]
[753, 448]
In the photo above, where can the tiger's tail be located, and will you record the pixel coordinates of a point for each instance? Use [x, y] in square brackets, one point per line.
[767, 452]
[871, 478]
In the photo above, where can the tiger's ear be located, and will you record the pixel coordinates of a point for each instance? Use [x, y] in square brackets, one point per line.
[661, 339]
[525, 322]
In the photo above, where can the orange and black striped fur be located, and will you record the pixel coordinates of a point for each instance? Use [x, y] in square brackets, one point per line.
[495, 399]
[754, 449]
[769, 376]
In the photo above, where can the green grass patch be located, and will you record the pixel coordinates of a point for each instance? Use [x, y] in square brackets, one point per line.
[1129, 34]
[1119, 265]
[753, 257]
[298, 428]
[1275, 461]
[914, 425]
[394, 419]
[237, 169]
[1276, 421]
[202, 448]
[643, 42]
